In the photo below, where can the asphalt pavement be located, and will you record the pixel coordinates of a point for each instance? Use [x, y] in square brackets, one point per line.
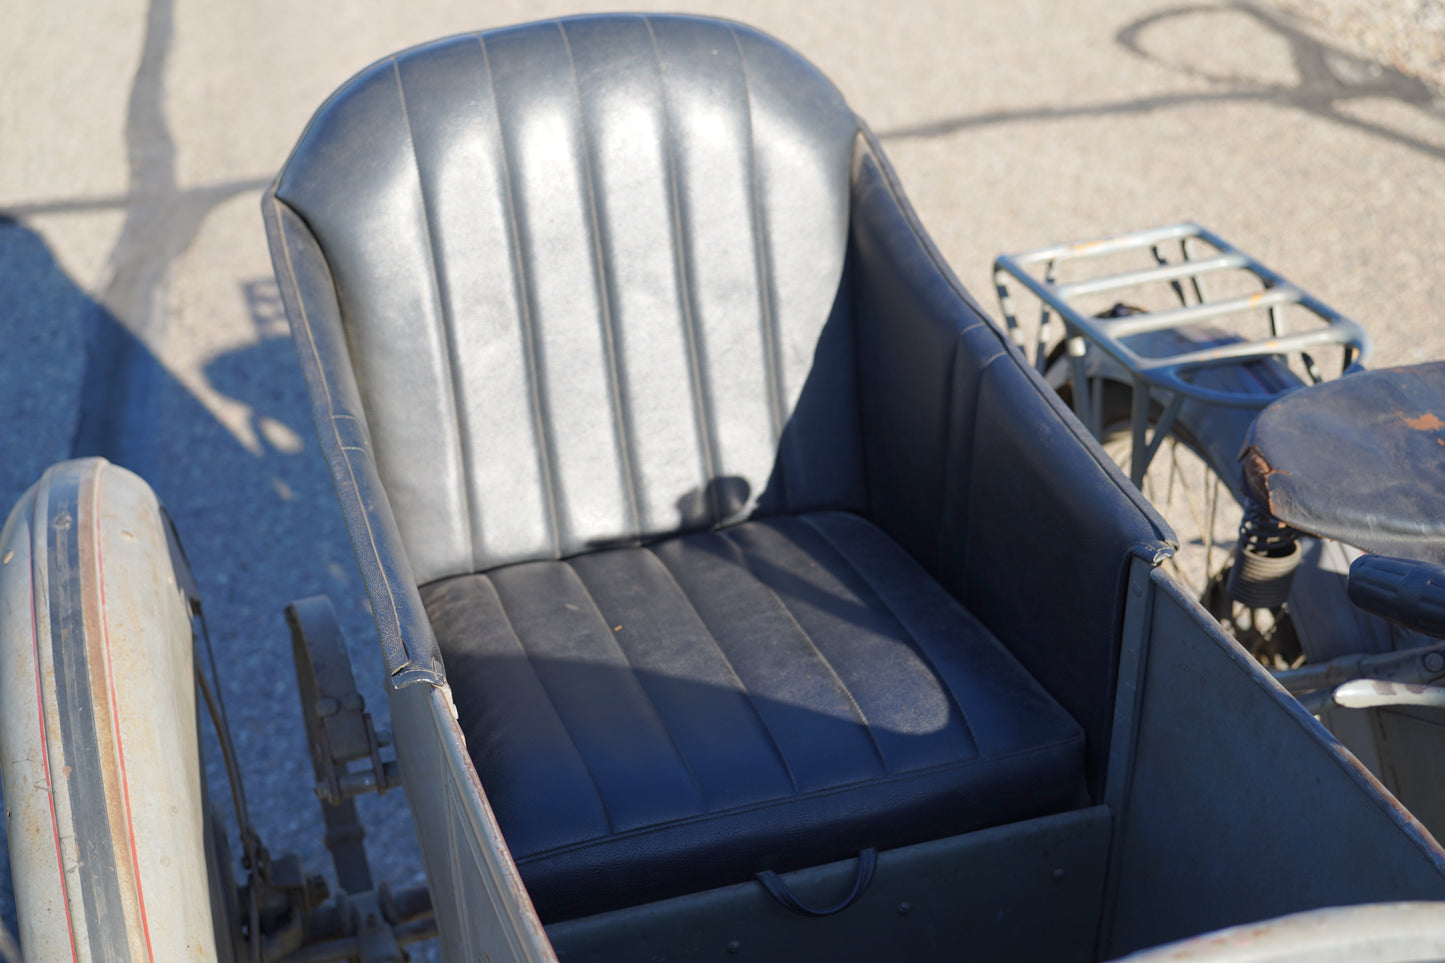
[139, 318]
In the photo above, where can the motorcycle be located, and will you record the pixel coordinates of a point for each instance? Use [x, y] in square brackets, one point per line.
[1214, 399]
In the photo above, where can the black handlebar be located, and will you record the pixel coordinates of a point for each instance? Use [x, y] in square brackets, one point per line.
[1405, 591]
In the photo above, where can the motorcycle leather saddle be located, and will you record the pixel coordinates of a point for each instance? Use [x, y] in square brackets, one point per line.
[1360, 459]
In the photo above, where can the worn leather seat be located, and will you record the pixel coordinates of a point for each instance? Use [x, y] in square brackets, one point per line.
[1358, 460]
[776, 694]
[668, 442]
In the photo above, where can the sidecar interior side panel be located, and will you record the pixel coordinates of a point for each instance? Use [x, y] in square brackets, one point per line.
[771, 696]
[978, 469]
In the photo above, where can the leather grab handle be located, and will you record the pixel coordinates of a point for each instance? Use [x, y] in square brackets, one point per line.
[773, 883]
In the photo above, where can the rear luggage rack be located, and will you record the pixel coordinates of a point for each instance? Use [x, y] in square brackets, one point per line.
[1171, 372]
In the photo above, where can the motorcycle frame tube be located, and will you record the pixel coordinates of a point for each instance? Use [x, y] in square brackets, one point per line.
[98, 739]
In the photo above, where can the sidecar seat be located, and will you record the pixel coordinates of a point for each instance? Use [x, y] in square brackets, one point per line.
[743, 538]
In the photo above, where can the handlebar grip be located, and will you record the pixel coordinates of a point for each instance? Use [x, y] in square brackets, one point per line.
[1408, 592]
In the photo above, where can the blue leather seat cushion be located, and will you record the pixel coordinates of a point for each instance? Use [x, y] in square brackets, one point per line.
[650, 721]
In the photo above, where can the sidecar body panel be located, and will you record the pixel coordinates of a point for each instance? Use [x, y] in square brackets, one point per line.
[1235, 804]
[483, 910]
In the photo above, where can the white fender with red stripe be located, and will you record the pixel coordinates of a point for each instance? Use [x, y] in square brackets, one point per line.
[98, 743]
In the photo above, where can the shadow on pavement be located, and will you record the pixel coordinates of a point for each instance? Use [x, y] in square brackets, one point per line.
[1327, 77]
[260, 528]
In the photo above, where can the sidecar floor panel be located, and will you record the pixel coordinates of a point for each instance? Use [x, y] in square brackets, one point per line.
[1359, 460]
[651, 721]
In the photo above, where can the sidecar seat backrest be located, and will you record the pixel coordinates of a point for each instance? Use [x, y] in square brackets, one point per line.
[593, 267]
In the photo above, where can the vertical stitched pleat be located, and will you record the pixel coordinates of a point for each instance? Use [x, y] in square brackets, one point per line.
[464, 176]
[707, 105]
[705, 510]
[901, 589]
[447, 341]
[765, 573]
[768, 330]
[379, 260]
[910, 715]
[542, 132]
[610, 345]
[809, 712]
[712, 642]
[605, 710]
[514, 731]
[692, 687]
[801, 183]
[625, 121]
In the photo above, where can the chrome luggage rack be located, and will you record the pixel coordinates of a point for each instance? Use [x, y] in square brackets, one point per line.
[1170, 377]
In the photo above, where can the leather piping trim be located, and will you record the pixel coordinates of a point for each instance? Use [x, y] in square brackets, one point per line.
[409, 658]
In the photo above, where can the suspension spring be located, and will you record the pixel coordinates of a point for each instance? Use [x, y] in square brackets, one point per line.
[1265, 559]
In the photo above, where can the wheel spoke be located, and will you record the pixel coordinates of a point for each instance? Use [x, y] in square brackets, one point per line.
[1201, 507]
[1212, 486]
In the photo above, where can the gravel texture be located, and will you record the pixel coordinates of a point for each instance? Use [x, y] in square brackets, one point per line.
[1408, 35]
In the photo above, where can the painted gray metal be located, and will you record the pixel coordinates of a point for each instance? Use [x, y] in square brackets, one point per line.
[1168, 372]
[1027, 891]
[1410, 759]
[1240, 806]
[482, 908]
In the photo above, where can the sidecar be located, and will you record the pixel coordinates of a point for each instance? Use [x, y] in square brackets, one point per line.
[743, 592]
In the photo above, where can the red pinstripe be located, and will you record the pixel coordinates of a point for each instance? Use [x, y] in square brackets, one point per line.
[45, 738]
[115, 717]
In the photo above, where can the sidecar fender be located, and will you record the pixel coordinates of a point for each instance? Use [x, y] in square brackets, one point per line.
[98, 738]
